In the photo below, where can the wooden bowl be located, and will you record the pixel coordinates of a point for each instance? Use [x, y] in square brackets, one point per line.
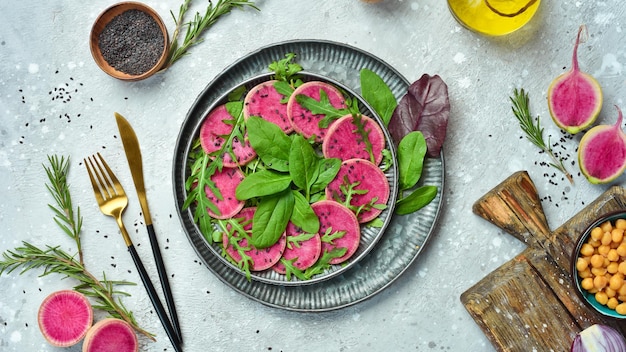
[104, 19]
[589, 298]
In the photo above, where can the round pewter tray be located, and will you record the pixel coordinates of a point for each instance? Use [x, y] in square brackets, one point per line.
[369, 235]
[405, 236]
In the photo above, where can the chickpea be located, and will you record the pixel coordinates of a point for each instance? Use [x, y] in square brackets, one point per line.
[617, 235]
[606, 226]
[620, 224]
[622, 292]
[585, 274]
[612, 303]
[602, 298]
[612, 255]
[594, 243]
[587, 250]
[587, 283]
[598, 271]
[612, 268]
[606, 238]
[604, 249]
[622, 268]
[581, 264]
[616, 281]
[597, 261]
[600, 282]
[610, 293]
[621, 249]
[597, 233]
[621, 309]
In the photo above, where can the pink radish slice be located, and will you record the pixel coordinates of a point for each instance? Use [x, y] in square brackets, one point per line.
[307, 252]
[111, 335]
[370, 178]
[64, 317]
[264, 101]
[339, 218]
[343, 140]
[212, 134]
[226, 181]
[262, 259]
[303, 121]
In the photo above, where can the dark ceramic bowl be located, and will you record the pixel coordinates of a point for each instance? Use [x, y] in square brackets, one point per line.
[589, 298]
[96, 48]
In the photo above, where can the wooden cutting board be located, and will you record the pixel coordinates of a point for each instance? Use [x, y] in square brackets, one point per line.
[530, 303]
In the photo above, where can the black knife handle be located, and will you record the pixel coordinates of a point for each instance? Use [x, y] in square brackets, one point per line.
[165, 283]
[156, 302]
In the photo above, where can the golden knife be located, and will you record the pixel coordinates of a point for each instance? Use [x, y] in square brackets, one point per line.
[133, 155]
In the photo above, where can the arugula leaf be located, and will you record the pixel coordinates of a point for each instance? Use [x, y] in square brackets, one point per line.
[322, 107]
[416, 200]
[357, 120]
[285, 89]
[411, 152]
[376, 92]
[271, 218]
[262, 183]
[284, 69]
[303, 215]
[270, 142]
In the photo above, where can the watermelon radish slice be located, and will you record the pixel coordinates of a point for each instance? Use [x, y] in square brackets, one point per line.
[372, 183]
[337, 217]
[345, 140]
[264, 101]
[212, 134]
[307, 252]
[64, 317]
[111, 335]
[226, 181]
[262, 259]
[303, 121]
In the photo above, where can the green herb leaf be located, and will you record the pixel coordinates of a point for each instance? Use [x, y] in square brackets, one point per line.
[270, 142]
[322, 107]
[376, 92]
[303, 164]
[416, 200]
[262, 183]
[285, 69]
[411, 152]
[271, 218]
[303, 215]
[328, 169]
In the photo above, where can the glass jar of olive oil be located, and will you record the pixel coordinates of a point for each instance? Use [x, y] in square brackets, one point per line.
[493, 17]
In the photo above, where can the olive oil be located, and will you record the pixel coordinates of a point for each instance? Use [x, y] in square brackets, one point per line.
[493, 17]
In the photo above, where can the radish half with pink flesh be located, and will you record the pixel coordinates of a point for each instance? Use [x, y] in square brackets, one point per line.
[111, 335]
[344, 140]
[262, 259]
[305, 122]
[305, 253]
[226, 181]
[602, 152]
[264, 101]
[575, 97]
[212, 134]
[372, 188]
[64, 317]
[335, 217]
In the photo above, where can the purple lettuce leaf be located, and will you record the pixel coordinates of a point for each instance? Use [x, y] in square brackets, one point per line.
[425, 108]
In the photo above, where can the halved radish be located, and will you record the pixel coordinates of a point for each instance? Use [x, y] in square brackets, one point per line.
[344, 140]
[334, 217]
[212, 134]
[111, 335]
[303, 121]
[226, 181]
[305, 253]
[264, 101]
[64, 317]
[371, 180]
[261, 258]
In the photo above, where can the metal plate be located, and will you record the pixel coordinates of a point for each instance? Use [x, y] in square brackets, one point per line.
[406, 235]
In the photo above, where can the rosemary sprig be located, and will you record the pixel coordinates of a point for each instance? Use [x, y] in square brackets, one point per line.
[200, 23]
[534, 132]
[55, 260]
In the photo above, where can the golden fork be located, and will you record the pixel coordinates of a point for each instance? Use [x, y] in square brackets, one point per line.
[112, 200]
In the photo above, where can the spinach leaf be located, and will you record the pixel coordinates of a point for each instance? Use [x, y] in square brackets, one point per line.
[411, 152]
[416, 200]
[303, 164]
[270, 142]
[303, 215]
[262, 183]
[328, 169]
[271, 218]
[376, 92]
